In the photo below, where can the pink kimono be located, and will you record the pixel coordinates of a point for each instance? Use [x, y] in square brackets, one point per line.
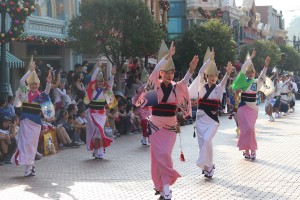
[163, 123]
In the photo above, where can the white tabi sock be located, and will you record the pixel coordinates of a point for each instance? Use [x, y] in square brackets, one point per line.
[101, 151]
[166, 189]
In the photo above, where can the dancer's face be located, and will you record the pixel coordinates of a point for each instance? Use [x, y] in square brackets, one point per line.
[100, 83]
[167, 76]
[211, 79]
[34, 87]
[250, 74]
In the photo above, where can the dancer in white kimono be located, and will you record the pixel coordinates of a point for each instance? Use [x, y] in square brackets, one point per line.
[209, 96]
[29, 99]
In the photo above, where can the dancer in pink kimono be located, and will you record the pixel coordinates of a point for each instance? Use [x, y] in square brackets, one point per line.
[248, 110]
[143, 113]
[98, 95]
[29, 99]
[165, 96]
[209, 95]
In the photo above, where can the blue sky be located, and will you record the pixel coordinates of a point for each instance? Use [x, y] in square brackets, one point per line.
[290, 8]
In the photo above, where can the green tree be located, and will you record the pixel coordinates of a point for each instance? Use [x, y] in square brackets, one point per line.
[292, 62]
[263, 49]
[196, 40]
[117, 29]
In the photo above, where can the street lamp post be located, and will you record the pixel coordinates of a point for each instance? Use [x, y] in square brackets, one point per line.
[296, 43]
[282, 62]
[4, 72]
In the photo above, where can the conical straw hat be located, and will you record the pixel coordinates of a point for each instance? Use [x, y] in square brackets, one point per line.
[163, 51]
[207, 55]
[212, 69]
[250, 67]
[33, 78]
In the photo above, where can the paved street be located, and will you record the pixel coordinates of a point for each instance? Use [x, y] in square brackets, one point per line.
[125, 172]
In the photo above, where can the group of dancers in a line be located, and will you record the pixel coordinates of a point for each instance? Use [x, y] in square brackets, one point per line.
[165, 97]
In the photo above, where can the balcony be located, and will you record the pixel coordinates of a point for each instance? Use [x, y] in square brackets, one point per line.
[195, 4]
[280, 33]
[45, 27]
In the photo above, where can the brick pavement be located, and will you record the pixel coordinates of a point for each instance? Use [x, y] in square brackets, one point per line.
[125, 172]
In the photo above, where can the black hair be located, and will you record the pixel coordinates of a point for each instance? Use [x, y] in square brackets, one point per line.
[9, 98]
[130, 81]
[84, 62]
[77, 65]
[2, 101]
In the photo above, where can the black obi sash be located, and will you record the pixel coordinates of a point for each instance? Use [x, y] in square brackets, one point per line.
[209, 106]
[97, 105]
[165, 110]
[31, 108]
[248, 97]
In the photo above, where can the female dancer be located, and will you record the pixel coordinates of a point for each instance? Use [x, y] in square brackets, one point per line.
[209, 96]
[248, 110]
[164, 96]
[29, 99]
[98, 95]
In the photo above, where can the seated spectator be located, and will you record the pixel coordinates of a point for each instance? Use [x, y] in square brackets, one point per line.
[73, 111]
[3, 110]
[112, 116]
[9, 106]
[8, 143]
[120, 122]
[69, 128]
[81, 119]
[133, 121]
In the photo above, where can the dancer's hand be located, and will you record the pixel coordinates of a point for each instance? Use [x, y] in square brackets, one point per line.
[267, 61]
[49, 77]
[171, 51]
[212, 57]
[193, 64]
[113, 70]
[229, 68]
[253, 53]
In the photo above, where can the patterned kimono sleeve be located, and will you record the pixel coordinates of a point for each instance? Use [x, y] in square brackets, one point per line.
[149, 95]
[184, 101]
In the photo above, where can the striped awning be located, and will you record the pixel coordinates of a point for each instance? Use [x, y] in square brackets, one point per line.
[12, 61]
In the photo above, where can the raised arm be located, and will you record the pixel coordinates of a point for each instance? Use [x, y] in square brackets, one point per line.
[193, 65]
[49, 80]
[96, 70]
[24, 78]
[248, 62]
[111, 79]
[264, 71]
[228, 72]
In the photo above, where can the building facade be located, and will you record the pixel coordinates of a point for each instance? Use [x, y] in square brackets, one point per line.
[45, 34]
[273, 26]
